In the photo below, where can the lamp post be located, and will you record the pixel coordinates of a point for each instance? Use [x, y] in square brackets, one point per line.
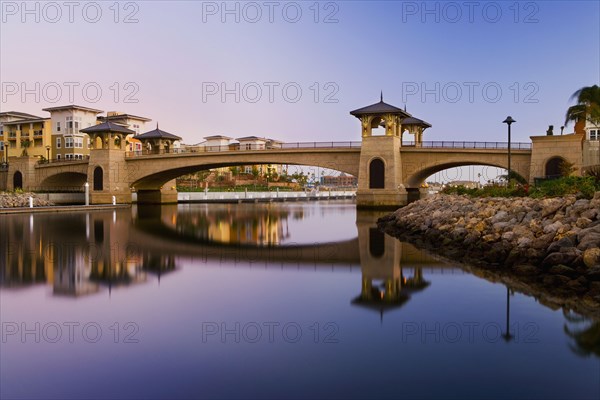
[508, 121]
[48, 153]
[6, 152]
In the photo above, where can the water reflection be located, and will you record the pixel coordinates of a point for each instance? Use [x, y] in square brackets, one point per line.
[384, 283]
[82, 254]
[585, 334]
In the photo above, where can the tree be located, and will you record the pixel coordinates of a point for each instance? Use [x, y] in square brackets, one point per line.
[25, 143]
[566, 168]
[587, 107]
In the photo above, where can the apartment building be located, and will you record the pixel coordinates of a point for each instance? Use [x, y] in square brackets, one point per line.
[67, 140]
[24, 134]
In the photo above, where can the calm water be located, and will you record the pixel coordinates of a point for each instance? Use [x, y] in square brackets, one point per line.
[280, 300]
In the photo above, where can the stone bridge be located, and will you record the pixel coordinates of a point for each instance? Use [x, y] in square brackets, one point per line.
[387, 167]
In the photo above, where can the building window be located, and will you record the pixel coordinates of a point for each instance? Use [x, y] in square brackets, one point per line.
[68, 143]
[1, 146]
[58, 143]
[594, 134]
[78, 143]
[58, 127]
[58, 156]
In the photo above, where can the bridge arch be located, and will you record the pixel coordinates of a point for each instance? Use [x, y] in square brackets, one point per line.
[152, 172]
[75, 180]
[417, 178]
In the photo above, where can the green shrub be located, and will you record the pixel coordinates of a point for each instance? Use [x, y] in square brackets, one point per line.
[583, 186]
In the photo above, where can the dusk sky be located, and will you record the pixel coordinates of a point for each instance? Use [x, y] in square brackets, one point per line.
[176, 59]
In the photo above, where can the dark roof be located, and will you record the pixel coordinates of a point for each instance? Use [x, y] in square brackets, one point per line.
[107, 127]
[379, 108]
[123, 116]
[217, 137]
[157, 134]
[26, 121]
[72, 106]
[415, 121]
[20, 115]
[253, 138]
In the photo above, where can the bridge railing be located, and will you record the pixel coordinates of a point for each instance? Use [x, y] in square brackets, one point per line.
[468, 145]
[236, 147]
[63, 160]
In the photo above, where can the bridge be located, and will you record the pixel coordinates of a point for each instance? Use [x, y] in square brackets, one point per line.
[388, 168]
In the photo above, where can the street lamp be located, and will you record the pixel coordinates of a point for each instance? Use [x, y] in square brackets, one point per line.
[508, 121]
[48, 153]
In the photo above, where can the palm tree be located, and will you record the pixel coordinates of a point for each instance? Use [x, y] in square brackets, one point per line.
[587, 107]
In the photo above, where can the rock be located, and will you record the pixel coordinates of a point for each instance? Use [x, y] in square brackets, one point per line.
[526, 270]
[501, 216]
[562, 270]
[551, 206]
[593, 274]
[558, 258]
[553, 227]
[583, 222]
[564, 242]
[590, 214]
[591, 257]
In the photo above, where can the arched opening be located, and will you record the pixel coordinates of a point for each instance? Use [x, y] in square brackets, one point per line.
[376, 243]
[554, 167]
[376, 174]
[98, 178]
[18, 180]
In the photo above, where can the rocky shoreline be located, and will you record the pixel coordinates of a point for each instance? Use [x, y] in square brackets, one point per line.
[15, 200]
[549, 248]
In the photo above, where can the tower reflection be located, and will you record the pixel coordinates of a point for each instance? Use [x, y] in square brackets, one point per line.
[384, 285]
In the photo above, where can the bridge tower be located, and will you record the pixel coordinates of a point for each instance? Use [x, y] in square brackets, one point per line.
[107, 170]
[380, 169]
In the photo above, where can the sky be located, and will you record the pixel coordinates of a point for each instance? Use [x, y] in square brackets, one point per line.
[294, 70]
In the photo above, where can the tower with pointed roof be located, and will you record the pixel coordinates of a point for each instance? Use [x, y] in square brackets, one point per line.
[380, 169]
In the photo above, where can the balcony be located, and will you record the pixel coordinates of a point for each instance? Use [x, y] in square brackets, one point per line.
[38, 133]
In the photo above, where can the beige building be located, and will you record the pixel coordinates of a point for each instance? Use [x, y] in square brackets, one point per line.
[68, 142]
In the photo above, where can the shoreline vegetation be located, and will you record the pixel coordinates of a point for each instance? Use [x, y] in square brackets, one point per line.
[547, 246]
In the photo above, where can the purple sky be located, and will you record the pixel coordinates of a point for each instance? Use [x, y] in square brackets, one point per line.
[178, 53]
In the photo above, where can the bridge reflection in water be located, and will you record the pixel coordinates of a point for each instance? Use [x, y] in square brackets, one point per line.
[84, 253]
